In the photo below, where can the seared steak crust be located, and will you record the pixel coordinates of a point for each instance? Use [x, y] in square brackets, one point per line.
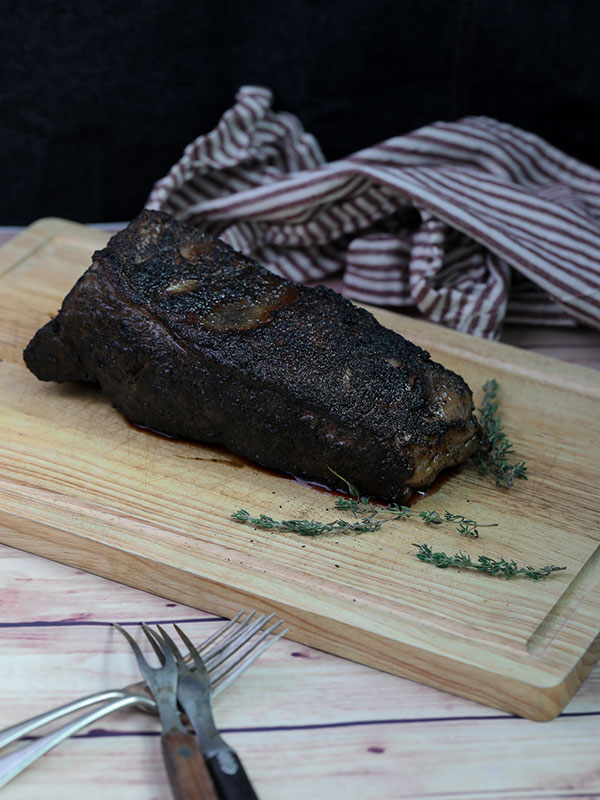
[188, 337]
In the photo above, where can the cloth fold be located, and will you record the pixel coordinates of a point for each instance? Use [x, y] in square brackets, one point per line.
[474, 222]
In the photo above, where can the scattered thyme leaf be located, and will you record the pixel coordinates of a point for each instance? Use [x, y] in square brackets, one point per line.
[348, 505]
[500, 567]
[465, 526]
[371, 521]
[361, 526]
[495, 462]
[307, 527]
[430, 517]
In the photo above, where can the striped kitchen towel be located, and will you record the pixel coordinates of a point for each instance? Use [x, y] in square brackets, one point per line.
[473, 222]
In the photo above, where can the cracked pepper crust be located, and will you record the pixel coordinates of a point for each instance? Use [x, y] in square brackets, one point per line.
[188, 337]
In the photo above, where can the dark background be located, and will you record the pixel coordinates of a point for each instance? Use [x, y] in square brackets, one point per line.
[99, 99]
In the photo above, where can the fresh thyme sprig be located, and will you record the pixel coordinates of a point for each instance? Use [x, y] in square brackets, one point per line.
[308, 527]
[362, 505]
[500, 567]
[495, 462]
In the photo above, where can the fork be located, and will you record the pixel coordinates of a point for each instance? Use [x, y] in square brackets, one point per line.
[194, 695]
[14, 732]
[183, 753]
[222, 673]
[186, 768]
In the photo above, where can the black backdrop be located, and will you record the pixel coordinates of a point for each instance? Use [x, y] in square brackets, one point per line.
[98, 99]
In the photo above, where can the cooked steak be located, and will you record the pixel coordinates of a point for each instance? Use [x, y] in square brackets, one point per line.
[190, 338]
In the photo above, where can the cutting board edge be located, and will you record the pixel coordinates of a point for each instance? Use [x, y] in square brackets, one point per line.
[35, 236]
[540, 703]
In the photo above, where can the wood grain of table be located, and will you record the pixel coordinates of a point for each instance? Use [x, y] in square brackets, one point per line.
[304, 722]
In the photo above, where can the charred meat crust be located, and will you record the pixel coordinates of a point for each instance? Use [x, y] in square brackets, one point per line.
[188, 337]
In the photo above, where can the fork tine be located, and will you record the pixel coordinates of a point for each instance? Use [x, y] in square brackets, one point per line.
[155, 646]
[239, 653]
[221, 670]
[247, 625]
[142, 663]
[154, 639]
[236, 669]
[171, 648]
[235, 642]
[170, 644]
[224, 662]
[196, 657]
[207, 642]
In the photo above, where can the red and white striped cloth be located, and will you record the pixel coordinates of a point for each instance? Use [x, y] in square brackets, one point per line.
[508, 227]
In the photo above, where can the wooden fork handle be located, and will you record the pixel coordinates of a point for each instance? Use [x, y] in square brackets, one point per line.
[187, 769]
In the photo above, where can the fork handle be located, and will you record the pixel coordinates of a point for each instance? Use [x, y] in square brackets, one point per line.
[187, 770]
[8, 735]
[230, 776]
[14, 763]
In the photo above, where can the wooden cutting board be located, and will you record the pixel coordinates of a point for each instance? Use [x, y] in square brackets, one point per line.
[80, 485]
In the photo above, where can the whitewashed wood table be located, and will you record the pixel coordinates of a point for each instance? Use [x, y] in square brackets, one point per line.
[305, 723]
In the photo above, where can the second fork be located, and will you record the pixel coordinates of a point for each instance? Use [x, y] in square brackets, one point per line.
[218, 648]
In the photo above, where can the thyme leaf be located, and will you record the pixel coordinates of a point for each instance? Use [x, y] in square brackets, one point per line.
[496, 462]
[466, 526]
[499, 567]
[307, 527]
[361, 505]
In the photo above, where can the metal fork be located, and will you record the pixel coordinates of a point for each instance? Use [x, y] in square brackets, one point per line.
[185, 754]
[14, 732]
[187, 770]
[222, 674]
[195, 697]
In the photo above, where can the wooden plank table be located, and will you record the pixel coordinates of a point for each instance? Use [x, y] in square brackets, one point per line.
[304, 722]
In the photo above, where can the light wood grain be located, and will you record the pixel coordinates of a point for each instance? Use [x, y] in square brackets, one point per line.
[78, 484]
[305, 722]
[53, 615]
[463, 759]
